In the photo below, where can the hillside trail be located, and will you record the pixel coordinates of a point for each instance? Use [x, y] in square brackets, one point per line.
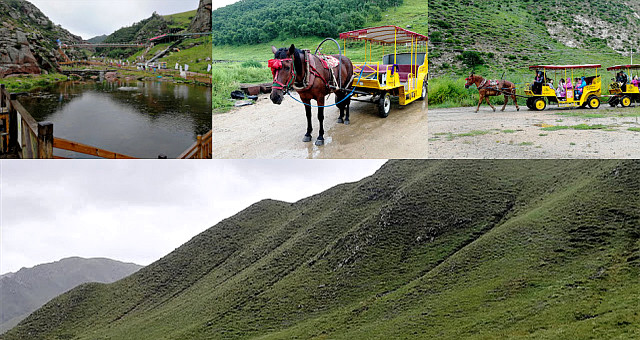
[265, 130]
[513, 134]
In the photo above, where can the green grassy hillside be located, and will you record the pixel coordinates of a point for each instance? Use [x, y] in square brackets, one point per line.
[429, 249]
[512, 35]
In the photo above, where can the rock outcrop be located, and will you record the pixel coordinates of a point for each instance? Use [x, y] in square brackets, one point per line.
[27, 39]
[202, 21]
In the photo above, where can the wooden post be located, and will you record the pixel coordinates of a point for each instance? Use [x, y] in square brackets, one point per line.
[199, 149]
[13, 122]
[45, 140]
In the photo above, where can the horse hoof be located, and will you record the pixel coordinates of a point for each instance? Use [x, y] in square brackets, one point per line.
[518, 109]
[320, 142]
[346, 122]
[340, 121]
[306, 139]
[494, 110]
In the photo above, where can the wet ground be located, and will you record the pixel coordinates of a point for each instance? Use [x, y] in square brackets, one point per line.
[553, 133]
[266, 130]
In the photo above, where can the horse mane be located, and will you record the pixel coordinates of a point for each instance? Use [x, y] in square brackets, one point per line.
[297, 59]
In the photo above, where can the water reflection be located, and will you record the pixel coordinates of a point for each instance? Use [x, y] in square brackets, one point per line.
[140, 119]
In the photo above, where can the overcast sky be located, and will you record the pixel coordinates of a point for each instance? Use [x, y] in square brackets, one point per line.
[90, 18]
[138, 211]
[222, 3]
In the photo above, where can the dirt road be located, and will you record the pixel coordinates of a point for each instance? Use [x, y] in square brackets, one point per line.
[266, 130]
[553, 133]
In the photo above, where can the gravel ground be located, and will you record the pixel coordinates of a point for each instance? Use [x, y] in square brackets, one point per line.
[267, 131]
[461, 133]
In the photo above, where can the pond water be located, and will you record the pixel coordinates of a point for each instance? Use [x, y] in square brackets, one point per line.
[138, 119]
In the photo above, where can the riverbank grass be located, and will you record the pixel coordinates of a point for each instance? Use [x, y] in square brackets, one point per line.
[30, 82]
[227, 77]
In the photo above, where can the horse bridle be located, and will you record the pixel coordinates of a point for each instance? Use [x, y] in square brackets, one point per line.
[276, 65]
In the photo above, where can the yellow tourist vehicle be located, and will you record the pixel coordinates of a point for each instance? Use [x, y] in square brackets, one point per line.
[403, 73]
[627, 93]
[575, 95]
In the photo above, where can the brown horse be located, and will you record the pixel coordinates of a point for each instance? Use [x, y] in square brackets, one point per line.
[487, 89]
[306, 74]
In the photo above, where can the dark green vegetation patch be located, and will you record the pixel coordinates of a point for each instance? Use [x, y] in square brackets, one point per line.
[258, 21]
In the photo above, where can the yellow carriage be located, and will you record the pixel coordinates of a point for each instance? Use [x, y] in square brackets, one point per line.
[402, 73]
[625, 94]
[574, 96]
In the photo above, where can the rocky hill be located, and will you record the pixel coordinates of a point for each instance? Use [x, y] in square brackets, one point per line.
[515, 34]
[28, 39]
[28, 289]
[202, 21]
[421, 249]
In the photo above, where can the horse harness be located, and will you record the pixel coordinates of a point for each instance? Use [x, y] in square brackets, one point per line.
[495, 86]
[328, 62]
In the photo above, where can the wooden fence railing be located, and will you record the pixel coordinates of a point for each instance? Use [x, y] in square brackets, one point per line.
[201, 149]
[33, 139]
[63, 144]
[19, 131]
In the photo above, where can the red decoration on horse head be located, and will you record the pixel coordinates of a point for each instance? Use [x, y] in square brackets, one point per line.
[275, 64]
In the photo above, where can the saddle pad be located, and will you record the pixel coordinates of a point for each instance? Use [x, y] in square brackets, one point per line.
[328, 61]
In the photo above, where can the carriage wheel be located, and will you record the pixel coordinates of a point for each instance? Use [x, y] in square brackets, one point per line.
[530, 103]
[625, 101]
[539, 104]
[425, 89]
[594, 102]
[614, 101]
[384, 104]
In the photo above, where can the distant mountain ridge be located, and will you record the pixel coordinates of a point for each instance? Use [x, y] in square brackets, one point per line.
[26, 290]
[427, 249]
[98, 39]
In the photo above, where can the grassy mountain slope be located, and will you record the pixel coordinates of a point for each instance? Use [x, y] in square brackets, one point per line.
[446, 249]
[192, 51]
[27, 290]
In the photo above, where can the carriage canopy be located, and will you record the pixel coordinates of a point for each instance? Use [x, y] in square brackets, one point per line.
[388, 35]
[623, 67]
[564, 67]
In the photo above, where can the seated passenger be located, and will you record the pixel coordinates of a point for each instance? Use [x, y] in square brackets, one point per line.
[621, 79]
[561, 90]
[537, 83]
[636, 82]
[580, 87]
[569, 89]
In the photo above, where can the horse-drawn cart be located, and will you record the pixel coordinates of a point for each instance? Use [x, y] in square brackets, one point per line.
[627, 91]
[575, 95]
[403, 74]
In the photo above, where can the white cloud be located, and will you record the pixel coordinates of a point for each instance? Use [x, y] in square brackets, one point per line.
[138, 211]
[90, 18]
